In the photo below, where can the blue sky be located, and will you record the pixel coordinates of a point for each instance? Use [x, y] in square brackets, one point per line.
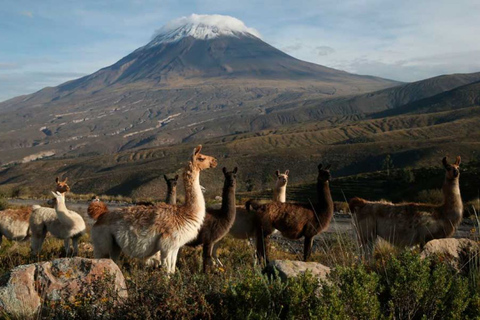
[44, 43]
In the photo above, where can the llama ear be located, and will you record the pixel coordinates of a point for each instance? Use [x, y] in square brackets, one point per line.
[277, 173]
[197, 149]
[328, 167]
[320, 166]
[457, 162]
[176, 177]
[287, 172]
[165, 177]
[56, 180]
[65, 181]
[235, 170]
[55, 194]
[444, 161]
[224, 170]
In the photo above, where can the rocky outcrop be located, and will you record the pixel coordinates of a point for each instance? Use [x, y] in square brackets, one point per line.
[288, 269]
[457, 252]
[25, 288]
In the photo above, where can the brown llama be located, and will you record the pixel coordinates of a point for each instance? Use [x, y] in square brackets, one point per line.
[244, 225]
[14, 223]
[171, 192]
[217, 221]
[294, 220]
[409, 224]
[142, 231]
[171, 189]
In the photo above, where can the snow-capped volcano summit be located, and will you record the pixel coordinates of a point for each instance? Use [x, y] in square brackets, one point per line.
[201, 27]
[200, 47]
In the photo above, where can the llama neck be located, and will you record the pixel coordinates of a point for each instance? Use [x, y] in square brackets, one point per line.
[64, 215]
[171, 196]
[193, 193]
[280, 194]
[228, 200]
[452, 201]
[325, 202]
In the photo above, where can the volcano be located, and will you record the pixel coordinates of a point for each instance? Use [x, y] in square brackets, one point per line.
[200, 77]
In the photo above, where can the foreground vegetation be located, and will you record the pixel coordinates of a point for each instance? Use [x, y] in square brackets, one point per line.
[394, 285]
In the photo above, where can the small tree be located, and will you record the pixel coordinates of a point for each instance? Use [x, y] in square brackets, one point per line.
[387, 164]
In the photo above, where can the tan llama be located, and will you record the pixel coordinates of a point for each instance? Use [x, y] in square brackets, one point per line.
[294, 220]
[408, 224]
[14, 223]
[142, 231]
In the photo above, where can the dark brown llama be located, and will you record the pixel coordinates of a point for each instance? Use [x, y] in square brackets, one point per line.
[171, 189]
[171, 193]
[217, 222]
[409, 224]
[294, 220]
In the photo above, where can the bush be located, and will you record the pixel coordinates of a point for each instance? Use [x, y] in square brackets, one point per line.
[3, 204]
[430, 196]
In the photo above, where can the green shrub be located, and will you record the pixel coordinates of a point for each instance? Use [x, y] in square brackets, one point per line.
[352, 294]
[3, 204]
[430, 196]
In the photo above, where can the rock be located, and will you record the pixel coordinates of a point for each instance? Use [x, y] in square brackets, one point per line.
[290, 268]
[456, 251]
[25, 288]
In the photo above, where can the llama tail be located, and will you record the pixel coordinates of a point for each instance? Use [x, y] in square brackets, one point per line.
[96, 209]
[356, 203]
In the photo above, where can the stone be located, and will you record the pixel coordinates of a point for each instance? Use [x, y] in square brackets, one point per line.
[456, 251]
[25, 288]
[290, 268]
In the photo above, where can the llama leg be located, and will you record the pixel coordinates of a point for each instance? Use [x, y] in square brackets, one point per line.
[307, 248]
[207, 256]
[174, 259]
[215, 256]
[37, 242]
[66, 244]
[75, 245]
[115, 251]
[261, 246]
[170, 258]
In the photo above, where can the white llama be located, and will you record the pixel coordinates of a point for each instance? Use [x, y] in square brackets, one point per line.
[60, 222]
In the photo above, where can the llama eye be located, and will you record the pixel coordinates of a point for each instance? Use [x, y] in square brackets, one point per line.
[201, 159]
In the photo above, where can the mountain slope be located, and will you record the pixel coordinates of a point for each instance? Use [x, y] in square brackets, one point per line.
[390, 98]
[200, 77]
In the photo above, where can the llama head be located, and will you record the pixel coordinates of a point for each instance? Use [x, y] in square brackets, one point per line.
[171, 182]
[201, 161]
[230, 177]
[59, 198]
[282, 178]
[452, 171]
[62, 186]
[324, 173]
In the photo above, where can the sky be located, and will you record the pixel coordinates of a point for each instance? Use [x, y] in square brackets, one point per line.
[45, 43]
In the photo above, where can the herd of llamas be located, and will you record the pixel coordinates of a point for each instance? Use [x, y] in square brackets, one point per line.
[155, 233]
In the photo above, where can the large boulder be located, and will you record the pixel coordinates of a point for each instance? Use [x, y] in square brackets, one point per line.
[291, 268]
[458, 252]
[25, 288]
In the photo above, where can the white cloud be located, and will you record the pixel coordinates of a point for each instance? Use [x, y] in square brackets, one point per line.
[27, 14]
[203, 26]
